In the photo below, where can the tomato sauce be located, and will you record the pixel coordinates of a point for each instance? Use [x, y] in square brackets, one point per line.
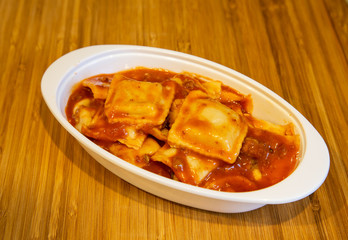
[271, 156]
[264, 159]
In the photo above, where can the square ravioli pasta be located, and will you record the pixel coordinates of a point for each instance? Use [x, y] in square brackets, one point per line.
[139, 102]
[188, 167]
[208, 127]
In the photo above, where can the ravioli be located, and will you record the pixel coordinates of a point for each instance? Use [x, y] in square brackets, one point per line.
[208, 127]
[188, 166]
[93, 123]
[99, 85]
[139, 157]
[138, 102]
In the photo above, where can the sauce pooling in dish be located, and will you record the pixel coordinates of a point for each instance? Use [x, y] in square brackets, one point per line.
[184, 127]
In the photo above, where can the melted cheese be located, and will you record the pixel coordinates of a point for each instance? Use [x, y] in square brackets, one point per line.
[208, 127]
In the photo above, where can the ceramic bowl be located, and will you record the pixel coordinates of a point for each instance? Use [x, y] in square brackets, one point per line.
[310, 173]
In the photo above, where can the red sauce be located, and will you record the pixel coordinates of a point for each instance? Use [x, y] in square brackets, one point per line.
[159, 168]
[76, 96]
[274, 156]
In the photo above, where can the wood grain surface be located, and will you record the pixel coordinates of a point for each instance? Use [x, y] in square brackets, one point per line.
[51, 188]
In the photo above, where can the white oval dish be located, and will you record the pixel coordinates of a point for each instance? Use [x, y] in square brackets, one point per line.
[71, 68]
